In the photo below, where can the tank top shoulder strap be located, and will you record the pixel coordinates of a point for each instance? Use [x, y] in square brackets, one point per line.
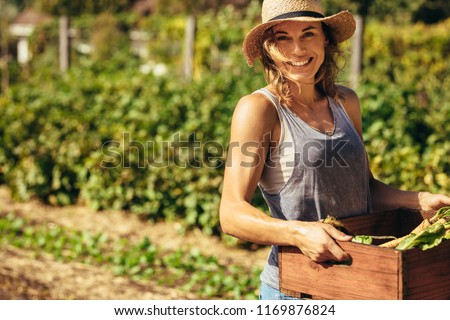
[340, 110]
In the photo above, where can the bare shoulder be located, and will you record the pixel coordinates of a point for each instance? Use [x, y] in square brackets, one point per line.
[256, 112]
[256, 104]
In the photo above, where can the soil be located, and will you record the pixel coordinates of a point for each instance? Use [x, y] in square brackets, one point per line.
[23, 275]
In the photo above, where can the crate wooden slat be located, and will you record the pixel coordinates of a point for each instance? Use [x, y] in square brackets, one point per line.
[426, 274]
[375, 273]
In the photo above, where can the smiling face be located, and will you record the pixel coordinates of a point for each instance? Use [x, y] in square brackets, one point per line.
[303, 46]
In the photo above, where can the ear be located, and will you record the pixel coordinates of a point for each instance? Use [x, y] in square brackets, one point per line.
[325, 43]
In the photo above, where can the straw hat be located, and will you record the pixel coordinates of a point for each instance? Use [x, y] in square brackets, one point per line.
[342, 24]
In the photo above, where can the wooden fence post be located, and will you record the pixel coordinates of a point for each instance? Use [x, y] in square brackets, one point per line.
[189, 44]
[357, 52]
[64, 43]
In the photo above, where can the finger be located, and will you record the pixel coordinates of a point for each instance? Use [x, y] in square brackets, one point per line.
[336, 234]
[332, 254]
[337, 254]
[331, 251]
[445, 200]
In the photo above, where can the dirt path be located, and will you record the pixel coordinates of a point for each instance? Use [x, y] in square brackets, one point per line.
[24, 277]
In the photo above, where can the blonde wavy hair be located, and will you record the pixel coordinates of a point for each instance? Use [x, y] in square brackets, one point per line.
[325, 79]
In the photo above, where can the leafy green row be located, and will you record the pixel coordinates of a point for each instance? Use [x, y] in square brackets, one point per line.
[189, 270]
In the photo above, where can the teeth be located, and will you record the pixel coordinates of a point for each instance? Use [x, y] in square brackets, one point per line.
[299, 63]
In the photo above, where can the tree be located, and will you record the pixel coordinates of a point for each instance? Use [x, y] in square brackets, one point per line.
[19, 5]
[194, 6]
[77, 7]
[106, 38]
[432, 11]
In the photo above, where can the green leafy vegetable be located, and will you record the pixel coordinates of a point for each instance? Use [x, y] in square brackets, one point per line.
[442, 213]
[426, 239]
[362, 239]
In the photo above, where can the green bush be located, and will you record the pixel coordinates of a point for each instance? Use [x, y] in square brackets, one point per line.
[406, 105]
[86, 137]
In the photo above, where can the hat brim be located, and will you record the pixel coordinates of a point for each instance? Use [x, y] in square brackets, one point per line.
[342, 24]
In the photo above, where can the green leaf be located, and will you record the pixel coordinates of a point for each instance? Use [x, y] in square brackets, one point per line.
[362, 239]
[428, 238]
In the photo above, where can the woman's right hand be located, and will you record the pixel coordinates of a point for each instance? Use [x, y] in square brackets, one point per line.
[317, 241]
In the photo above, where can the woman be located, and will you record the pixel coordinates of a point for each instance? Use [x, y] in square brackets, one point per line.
[300, 140]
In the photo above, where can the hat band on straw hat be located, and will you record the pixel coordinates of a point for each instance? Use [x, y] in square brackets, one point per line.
[297, 14]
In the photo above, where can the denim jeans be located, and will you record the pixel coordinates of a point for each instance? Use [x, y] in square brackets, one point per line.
[268, 293]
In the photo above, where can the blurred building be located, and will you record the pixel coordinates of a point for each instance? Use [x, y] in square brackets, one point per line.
[21, 29]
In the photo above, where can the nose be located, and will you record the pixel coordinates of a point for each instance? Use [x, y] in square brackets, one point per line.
[298, 46]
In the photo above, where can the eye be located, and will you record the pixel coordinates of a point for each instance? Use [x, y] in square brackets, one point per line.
[308, 34]
[281, 38]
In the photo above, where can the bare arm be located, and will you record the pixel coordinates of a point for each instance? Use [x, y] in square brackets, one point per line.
[385, 197]
[254, 120]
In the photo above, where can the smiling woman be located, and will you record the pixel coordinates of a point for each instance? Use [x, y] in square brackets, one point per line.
[301, 44]
[301, 47]
[307, 153]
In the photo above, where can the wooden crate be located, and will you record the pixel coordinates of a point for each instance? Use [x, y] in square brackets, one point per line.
[375, 273]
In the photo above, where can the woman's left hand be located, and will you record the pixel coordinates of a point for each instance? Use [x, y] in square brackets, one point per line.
[430, 201]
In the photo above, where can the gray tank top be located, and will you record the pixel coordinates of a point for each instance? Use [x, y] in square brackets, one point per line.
[330, 175]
